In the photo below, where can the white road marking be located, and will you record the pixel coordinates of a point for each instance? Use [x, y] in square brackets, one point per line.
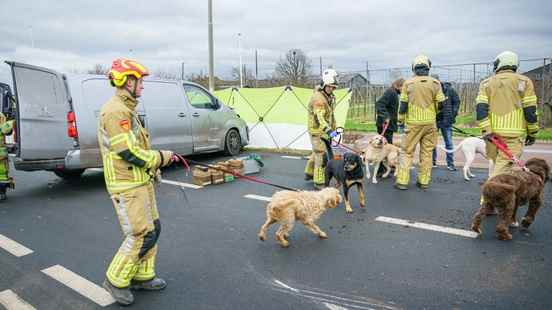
[292, 157]
[537, 151]
[333, 301]
[11, 301]
[80, 285]
[13, 247]
[181, 184]
[257, 197]
[447, 230]
[96, 169]
[333, 307]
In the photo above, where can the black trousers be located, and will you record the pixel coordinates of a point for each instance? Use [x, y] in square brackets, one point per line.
[389, 137]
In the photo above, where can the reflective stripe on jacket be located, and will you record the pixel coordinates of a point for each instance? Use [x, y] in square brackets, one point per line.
[127, 157]
[507, 105]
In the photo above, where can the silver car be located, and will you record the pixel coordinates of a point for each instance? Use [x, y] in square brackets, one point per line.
[57, 116]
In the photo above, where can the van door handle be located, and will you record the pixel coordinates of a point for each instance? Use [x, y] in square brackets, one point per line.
[181, 114]
[195, 114]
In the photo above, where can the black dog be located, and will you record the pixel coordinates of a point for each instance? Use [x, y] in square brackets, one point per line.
[347, 172]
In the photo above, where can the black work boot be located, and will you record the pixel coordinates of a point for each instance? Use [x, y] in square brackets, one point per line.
[422, 186]
[123, 296]
[308, 177]
[3, 195]
[401, 186]
[155, 284]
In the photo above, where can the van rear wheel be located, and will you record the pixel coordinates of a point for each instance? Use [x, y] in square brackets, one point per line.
[232, 143]
[68, 174]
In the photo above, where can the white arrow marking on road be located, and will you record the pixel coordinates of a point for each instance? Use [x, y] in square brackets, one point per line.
[11, 301]
[80, 285]
[448, 230]
[333, 301]
[13, 247]
[333, 307]
[257, 197]
[181, 184]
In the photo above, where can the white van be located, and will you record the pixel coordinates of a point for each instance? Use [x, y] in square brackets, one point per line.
[57, 118]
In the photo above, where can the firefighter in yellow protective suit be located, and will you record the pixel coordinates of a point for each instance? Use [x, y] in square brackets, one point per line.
[6, 128]
[130, 167]
[421, 98]
[507, 108]
[321, 127]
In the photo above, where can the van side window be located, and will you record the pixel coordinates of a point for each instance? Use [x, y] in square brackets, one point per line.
[198, 98]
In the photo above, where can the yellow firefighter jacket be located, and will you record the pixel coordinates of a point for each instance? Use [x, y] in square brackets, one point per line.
[127, 157]
[507, 105]
[420, 99]
[321, 114]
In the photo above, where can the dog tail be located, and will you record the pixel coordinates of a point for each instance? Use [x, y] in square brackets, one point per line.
[454, 149]
[495, 191]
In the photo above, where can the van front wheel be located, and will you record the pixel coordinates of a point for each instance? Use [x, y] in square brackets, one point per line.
[232, 143]
[69, 174]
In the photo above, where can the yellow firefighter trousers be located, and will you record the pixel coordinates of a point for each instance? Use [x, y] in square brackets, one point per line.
[315, 165]
[426, 136]
[502, 164]
[139, 219]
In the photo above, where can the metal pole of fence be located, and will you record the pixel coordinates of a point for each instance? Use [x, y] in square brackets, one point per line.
[542, 91]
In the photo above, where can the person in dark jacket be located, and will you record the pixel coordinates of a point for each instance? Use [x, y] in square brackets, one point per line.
[445, 119]
[387, 107]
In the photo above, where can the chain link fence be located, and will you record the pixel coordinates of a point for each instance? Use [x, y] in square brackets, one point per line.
[465, 78]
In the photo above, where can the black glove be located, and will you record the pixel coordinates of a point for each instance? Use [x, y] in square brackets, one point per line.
[529, 140]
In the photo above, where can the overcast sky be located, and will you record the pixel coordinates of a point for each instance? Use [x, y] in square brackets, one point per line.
[76, 34]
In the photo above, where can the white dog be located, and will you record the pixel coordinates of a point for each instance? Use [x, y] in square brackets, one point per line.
[470, 146]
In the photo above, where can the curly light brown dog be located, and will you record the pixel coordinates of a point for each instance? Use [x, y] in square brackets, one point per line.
[286, 207]
[507, 192]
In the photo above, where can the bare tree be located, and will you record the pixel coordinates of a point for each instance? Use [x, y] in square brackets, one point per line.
[98, 69]
[248, 76]
[295, 67]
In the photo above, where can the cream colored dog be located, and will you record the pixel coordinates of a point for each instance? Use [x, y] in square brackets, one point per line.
[379, 152]
[287, 206]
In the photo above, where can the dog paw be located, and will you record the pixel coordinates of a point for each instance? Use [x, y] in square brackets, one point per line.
[284, 244]
[362, 205]
[504, 236]
[262, 237]
[374, 181]
[349, 210]
[525, 223]
[322, 235]
[477, 229]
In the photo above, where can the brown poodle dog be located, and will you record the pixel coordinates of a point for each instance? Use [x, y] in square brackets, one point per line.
[507, 192]
[287, 206]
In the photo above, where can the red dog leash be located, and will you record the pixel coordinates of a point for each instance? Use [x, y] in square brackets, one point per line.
[501, 145]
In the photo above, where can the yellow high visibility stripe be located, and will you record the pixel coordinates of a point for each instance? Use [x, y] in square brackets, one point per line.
[482, 99]
[529, 99]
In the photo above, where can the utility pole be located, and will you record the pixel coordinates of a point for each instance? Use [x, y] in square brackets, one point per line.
[211, 49]
[256, 70]
[320, 65]
[367, 73]
[241, 65]
[183, 75]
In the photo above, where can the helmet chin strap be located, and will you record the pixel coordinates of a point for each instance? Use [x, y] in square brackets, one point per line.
[133, 91]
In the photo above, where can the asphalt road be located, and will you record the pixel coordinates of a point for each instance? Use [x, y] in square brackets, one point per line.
[211, 258]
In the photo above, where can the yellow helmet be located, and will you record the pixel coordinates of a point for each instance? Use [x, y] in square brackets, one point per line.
[506, 61]
[421, 61]
[122, 68]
